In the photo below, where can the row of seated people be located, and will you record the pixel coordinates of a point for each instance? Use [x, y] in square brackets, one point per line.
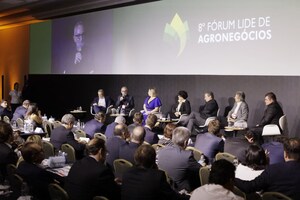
[179, 163]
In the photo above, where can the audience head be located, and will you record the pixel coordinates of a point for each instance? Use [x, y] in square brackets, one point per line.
[183, 94]
[239, 96]
[96, 148]
[214, 127]
[100, 116]
[3, 103]
[209, 95]
[138, 135]
[152, 92]
[101, 93]
[120, 120]
[26, 104]
[222, 173]
[122, 131]
[151, 120]
[270, 97]
[180, 136]
[32, 109]
[16, 86]
[168, 130]
[256, 157]
[68, 121]
[6, 132]
[145, 156]
[124, 91]
[138, 118]
[36, 139]
[32, 152]
[292, 149]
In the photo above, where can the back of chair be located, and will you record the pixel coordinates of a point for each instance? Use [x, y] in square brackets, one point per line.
[131, 112]
[197, 153]
[48, 149]
[92, 110]
[47, 127]
[227, 156]
[70, 152]
[21, 159]
[10, 170]
[204, 174]
[80, 133]
[6, 119]
[274, 196]
[271, 130]
[56, 124]
[157, 146]
[121, 166]
[20, 122]
[16, 185]
[100, 198]
[100, 136]
[57, 193]
[283, 125]
[238, 192]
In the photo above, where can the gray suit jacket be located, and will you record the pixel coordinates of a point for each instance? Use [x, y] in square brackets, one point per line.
[242, 113]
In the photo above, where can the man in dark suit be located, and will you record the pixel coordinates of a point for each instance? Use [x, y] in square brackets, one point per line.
[179, 163]
[136, 139]
[4, 110]
[157, 187]
[125, 102]
[209, 109]
[95, 125]
[109, 132]
[151, 137]
[7, 154]
[113, 144]
[101, 103]
[271, 115]
[21, 111]
[210, 143]
[281, 177]
[89, 176]
[35, 176]
[63, 135]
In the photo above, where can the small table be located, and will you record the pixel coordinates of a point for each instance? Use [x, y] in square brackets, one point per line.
[234, 129]
[78, 114]
[167, 120]
[26, 135]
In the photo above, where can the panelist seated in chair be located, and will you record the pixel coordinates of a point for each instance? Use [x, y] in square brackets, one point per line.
[240, 110]
[101, 103]
[182, 107]
[125, 102]
[152, 103]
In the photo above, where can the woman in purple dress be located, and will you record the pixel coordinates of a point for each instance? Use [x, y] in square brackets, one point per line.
[152, 103]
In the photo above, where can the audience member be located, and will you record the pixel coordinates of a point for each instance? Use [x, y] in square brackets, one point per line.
[179, 163]
[125, 102]
[90, 177]
[256, 162]
[15, 95]
[7, 154]
[145, 171]
[137, 138]
[210, 143]
[21, 111]
[137, 121]
[95, 125]
[240, 110]
[151, 137]
[209, 109]
[280, 177]
[63, 135]
[220, 185]
[31, 171]
[275, 149]
[271, 115]
[4, 110]
[109, 132]
[152, 103]
[36, 139]
[238, 146]
[167, 137]
[113, 144]
[182, 107]
[101, 103]
[33, 114]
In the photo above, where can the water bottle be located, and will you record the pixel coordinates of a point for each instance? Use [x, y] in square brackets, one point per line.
[168, 117]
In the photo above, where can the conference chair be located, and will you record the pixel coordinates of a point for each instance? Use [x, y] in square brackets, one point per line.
[197, 153]
[56, 124]
[6, 119]
[47, 127]
[180, 119]
[48, 149]
[227, 156]
[20, 122]
[16, 185]
[274, 196]
[121, 166]
[204, 174]
[21, 159]
[273, 129]
[209, 119]
[157, 146]
[80, 133]
[70, 152]
[109, 110]
[10, 170]
[100, 136]
[100, 198]
[57, 193]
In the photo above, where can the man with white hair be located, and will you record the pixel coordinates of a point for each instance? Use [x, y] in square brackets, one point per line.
[179, 163]
[111, 127]
[63, 135]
